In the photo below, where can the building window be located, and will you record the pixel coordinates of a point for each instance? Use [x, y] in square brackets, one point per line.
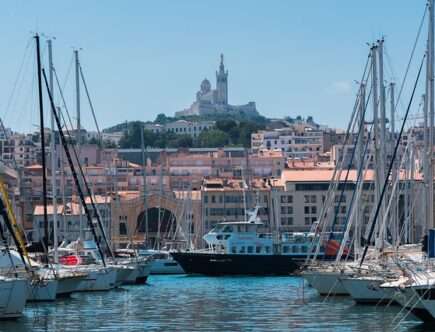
[289, 199]
[286, 221]
[205, 199]
[313, 199]
[343, 209]
[122, 228]
[289, 209]
[307, 221]
[306, 198]
[313, 209]
[306, 209]
[213, 199]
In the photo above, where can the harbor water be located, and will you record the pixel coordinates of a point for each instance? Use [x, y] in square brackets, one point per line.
[195, 303]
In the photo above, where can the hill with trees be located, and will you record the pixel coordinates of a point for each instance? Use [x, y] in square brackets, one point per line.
[228, 131]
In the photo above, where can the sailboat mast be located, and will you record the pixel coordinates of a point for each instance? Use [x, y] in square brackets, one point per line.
[53, 153]
[430, 96]
[41, 125]
[78, 132]
[360, 155]
[394, 214]
[376, 128]
[145, 191]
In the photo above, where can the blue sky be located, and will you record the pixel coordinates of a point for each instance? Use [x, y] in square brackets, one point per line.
[142, 58]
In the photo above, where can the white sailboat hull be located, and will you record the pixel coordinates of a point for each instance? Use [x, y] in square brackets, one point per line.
[166, 266]
[144, 270]
[123, 273]
[326, 283]
[42, 290]
[13, 296]
[68, 284]
[366, 290]
[131, 278]
[98, 279]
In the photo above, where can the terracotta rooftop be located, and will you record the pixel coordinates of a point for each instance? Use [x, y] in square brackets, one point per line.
[34, 167]
[71, 209]
[325, 175]
[232, 184]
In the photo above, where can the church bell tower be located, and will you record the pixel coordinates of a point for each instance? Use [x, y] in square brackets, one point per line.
[222, 83]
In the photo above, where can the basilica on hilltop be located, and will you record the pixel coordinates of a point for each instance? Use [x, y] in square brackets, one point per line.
[215, 101]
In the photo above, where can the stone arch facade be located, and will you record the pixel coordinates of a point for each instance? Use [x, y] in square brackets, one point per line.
[128, 210]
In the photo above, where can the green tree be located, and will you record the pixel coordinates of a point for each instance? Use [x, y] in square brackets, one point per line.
[161, 118]
[213, 138]
[181, 141]
[245, 130]
[226, 125]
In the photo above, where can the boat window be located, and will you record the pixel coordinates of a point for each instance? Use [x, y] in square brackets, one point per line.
[242, 249]
[258, 249]
[219, 236]
[234, 250]
[304, 248]
[285, 249]
[295, 249]
[267, 249]
[250, 250]
[228, 229]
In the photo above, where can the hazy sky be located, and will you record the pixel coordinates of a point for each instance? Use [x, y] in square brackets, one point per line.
[142, 57]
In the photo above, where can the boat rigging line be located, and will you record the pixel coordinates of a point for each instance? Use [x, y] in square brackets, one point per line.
[378, 207]
[73, 171]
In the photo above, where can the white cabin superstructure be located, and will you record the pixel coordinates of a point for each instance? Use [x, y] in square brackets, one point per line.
[249, 237]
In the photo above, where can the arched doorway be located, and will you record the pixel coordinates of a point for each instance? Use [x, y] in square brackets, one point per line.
[151, 225]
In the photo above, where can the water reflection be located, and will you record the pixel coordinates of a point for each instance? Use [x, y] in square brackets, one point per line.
[185, 303]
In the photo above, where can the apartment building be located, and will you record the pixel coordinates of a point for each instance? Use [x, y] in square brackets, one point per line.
[300, 195]
[181, 127]
[227, 199]
[68, 219]
[19, 150]
[295, 142]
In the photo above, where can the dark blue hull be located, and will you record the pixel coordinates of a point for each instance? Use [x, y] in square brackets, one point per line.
[228, 264]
